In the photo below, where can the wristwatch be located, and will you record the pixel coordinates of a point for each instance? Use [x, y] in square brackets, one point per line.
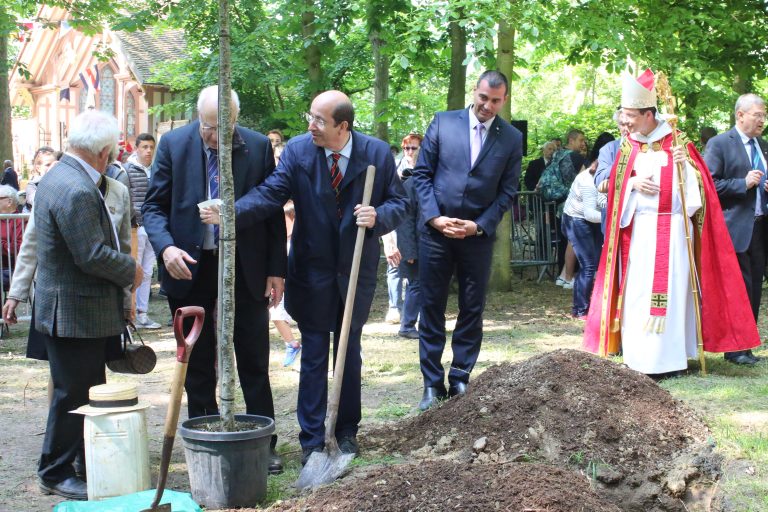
[479, 231]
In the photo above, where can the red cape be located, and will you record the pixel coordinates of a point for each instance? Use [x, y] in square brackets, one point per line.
[726, 315]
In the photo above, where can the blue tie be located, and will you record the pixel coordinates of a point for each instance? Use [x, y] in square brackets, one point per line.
[213, 184]
[757, 163]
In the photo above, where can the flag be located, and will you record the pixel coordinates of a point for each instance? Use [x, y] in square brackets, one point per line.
[90, 78]
[64, 94]
[64, 28]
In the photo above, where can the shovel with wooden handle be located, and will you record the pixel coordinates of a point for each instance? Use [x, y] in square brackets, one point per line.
[326, 466]
[184, 347]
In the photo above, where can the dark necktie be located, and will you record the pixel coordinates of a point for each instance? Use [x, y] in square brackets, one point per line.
[103, 186]
[213, 185]
[757, 163]
[336, 178]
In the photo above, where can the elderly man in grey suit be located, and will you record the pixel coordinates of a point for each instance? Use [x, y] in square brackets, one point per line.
[737, 161]
[81, 273]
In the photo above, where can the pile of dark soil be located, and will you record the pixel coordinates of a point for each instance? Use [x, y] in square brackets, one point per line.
[642, 448]
[443, 485]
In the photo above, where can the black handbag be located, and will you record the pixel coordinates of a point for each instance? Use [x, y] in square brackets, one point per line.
[137, 357]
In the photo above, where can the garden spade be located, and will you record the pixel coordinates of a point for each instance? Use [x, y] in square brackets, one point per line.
[183, 350]
[326, 466]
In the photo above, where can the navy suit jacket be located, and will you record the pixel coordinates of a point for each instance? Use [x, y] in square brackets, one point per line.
[445, 183]
[178, 183]
[729, 164]
[320, 259]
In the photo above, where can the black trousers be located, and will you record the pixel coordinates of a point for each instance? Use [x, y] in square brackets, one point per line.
[251, 339]
[76, 365]
[752, 263]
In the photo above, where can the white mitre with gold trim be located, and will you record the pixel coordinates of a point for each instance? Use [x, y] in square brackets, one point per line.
[638, 92]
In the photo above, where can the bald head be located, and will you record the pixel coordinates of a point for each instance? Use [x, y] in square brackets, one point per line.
[331, 119]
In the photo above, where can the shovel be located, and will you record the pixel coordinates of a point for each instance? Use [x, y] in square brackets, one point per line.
[326, 466]
[183, 350]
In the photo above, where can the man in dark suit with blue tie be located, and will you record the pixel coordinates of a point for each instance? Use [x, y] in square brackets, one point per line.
[323, 171]
[465, 179]
[185, 173]
[737, 161]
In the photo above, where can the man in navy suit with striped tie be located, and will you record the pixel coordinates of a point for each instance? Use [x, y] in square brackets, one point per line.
[465, 178]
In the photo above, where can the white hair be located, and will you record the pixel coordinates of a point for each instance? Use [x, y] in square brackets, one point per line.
[747, 101]
[92, 131]
[211, 93]
[9, 191]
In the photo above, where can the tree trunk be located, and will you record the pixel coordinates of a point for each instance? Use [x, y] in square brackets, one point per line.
[380, 85]
[312, 53]
[6, 141]
[458, 80]
[501, 269]
[226, 302]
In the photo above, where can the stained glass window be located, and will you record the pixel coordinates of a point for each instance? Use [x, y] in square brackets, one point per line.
[107, 93]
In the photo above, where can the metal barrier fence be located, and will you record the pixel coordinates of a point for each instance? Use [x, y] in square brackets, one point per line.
[536, 237]
[12, 226]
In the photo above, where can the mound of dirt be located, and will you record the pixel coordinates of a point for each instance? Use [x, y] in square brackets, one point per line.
[640, 447]
[443, 485]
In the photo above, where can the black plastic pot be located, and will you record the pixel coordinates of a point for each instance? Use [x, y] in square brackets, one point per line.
[227, 469]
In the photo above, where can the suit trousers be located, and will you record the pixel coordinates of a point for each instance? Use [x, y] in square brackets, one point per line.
[251, 339]
[313, 385]
[752, 263]
[438, 257]
[76, 365]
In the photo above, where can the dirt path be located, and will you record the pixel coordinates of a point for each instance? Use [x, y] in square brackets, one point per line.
[532, 320]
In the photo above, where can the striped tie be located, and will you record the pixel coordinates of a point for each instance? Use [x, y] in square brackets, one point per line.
[213, 184]
[336, 178]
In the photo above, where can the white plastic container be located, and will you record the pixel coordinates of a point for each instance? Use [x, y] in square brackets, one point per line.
[116, 454]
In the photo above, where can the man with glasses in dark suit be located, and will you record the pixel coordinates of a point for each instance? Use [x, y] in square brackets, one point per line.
[737, 161]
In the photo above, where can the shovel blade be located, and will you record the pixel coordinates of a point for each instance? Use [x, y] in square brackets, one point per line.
[323, 468]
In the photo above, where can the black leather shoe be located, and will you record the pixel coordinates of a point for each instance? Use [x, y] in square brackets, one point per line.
[430, 397]
[307, 452]
[457, 389]
[348, 444]
[742, 357]
[275, 463]
[411, 335]
[72, 488]
[757, 359]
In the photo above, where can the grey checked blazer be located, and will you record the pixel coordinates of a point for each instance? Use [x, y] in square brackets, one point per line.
[81, 268]
[118, 202]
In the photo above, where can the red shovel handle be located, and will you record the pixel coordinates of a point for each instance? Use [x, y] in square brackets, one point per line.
[184, 344]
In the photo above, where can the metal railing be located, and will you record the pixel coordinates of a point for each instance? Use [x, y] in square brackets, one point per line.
[12, 226]
[536, 237]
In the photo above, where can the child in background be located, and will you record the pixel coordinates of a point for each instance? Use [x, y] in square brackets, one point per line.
[279, 315]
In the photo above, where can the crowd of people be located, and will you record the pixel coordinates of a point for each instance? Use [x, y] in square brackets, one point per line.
[643, 218]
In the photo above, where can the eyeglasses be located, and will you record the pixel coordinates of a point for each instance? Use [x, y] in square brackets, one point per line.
[760, 116]
[319, 122]
[410, 148]
[208, 128]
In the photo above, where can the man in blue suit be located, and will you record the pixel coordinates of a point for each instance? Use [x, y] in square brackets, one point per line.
[323, 171]
[465, 179]
[185, 173]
